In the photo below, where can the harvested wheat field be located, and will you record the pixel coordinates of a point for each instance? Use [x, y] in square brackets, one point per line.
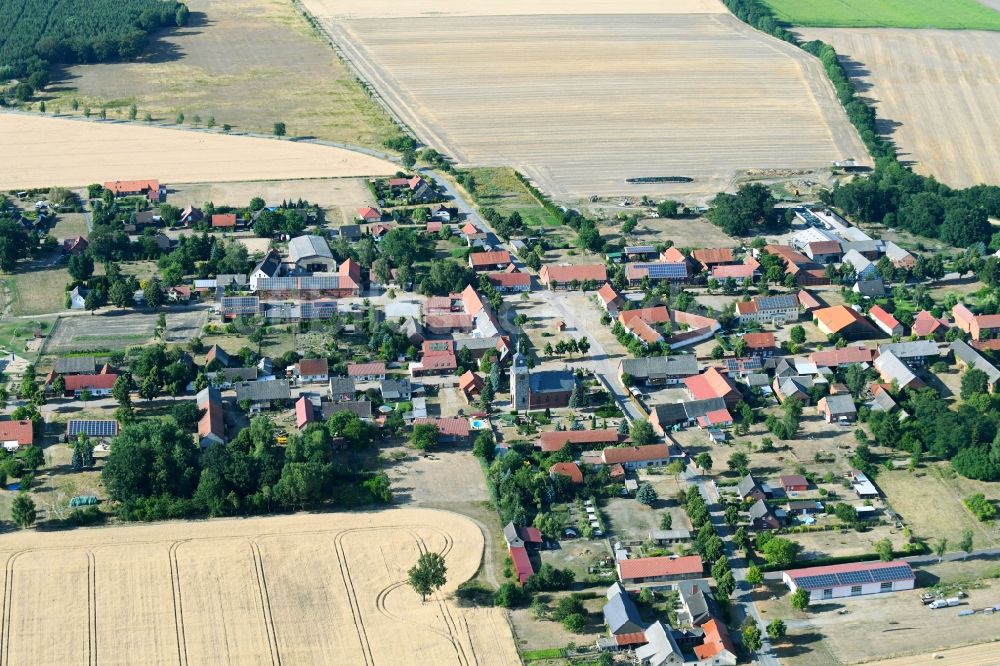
[937, 93]
[304, 589]
[60, 151]
[248, 63]
[585, 96]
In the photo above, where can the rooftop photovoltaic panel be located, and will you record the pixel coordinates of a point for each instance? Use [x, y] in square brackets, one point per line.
[854, 577]
[89, 428]
[666, 270]
[825, 580]
[892, 573]
[240, 304]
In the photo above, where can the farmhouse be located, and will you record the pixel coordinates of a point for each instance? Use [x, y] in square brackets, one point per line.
[713, 384]
[656, 272]
[268, 267]
[885, 321]
[262, 394]
[967, 357]
[864, 269]
[95, 385]
[850, 580]
[656, 370]
[510, 282]
[843, 321]
[716, 647]
[892, 369]
[834, 358]
[313, 370]
[489, 261]
[659, 569]
[926, 325]
[311, 254]
[16, 434]
[837, 408]
[568, 469]
[980, 327]
[713, 256]
[762, 518]
[610, 299]
[768, 309]
[760, 344]
[369, 214]
[225, 221]
[366, 372]
[620, 613]
[748, 488]
[640, 323]
[637, 457]
[555, 440]
[151, 189]
[566, 277]
[212, 424]
[661, 647]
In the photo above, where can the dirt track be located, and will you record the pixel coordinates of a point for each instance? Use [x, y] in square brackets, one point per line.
[44, 151]
[581, 102]
[937, 93]
[304, 589]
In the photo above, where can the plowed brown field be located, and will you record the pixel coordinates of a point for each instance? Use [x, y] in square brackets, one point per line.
[304, 589]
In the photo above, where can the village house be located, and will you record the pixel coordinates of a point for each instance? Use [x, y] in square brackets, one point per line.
[926, 325]
[760, 344]
[837, 408]
[518, 540]
[75, 245]
[660, 647]
[224, 221]
[792, 483]
[885, 321]
[638, 457]
[78, 298]
[312, 371]
[864, 269]
[980, 327]
[892, 370]
[966, 357]
[713, 384]
[572, 277]
[658, 370]
[510, 282]
[342, 389]
[305, 412]
[268, 267]
[850, 580]
[396, 390]
[713, 256]
[16, 434]
[762, 518]
[749, 489]
[497, 260]
[768, 309]
[96, 386]
[149, 188]
[659, 569]
[369, 214]
[261, 395]
[311, 254]
[843, 321]
[555, 440]
[657, 272]
[620, 614]
[366, 372]
[471, 385]
[568, 469]
[212, 424]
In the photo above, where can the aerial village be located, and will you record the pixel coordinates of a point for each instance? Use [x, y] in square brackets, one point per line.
[680, 448]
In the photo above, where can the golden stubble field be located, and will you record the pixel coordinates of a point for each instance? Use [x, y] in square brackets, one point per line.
[74, 153]
[936, 91]
[582, 97]
[304, 589]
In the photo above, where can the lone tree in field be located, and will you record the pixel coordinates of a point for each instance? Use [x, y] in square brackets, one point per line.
[23, 510]
[940, 548]
[428, 574]
[279, 129]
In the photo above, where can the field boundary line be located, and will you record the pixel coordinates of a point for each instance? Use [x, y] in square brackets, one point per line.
[265, 601]
[175, 588]
[345, 574]
[8, 590]
[92, 611]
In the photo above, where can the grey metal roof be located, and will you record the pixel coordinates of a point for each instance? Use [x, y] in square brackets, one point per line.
[695, 601]
[841, 403]
[620, 613]
[670, 413]
[892, 367]
[350, 231]
[914, 349]
[661, 366]
[79, 365]
[973, 358]
[339, 385]
[362, 408]
[874, 288]
[305, 247]
[240, 374]
[660, 647]
[759, 509]
[746, 484]
[883, 402]
[696, 408]
[277, 389]
[552, 381]
[853, 257]
[394, 388]
[511, 536]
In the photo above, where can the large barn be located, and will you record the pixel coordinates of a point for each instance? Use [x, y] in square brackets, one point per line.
[850, 580]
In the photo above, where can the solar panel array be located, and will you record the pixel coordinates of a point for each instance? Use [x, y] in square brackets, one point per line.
[861, 577]
[91, 428]
[240, 305]
[319, 310]
[311, 283]
[663, 271]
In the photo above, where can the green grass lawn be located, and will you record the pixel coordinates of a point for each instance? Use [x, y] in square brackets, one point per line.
[499, 188]
[947, 14]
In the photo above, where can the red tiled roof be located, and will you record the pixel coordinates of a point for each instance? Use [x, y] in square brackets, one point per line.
[451, 320]
[368, 213]
[710, 384]
[438, 303]
[716, 640]
[438, 361]
[119, 186]
[470, 381]
[633, 639]
[715, 417]
[759, 340]
[924, 323]
[522, 564]
[736, 272]
[883, 317]
[843, 356]
[489, 258]
[839, 317]
[635, 453]
[80, 382]
[792, 480]
[556, 439]
[713, 255]
[472, 301]
[650, 567]
[673, 255]
[224, 220]
[808, 301]
[365, 369]
[654, 315]
[510, 279]
[451, 427]
[824, 247]
[988, 321]
[566, 274]
[608, 294]
[470, 229]
[746, 307]
[314, 366]
[304, 413]
[570, 469]
[21, 432]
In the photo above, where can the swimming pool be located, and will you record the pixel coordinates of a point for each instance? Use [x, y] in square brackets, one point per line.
[479, 424]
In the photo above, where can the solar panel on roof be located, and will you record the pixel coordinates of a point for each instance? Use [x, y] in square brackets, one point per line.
[891, 573]
[90, 428]
[813, 582]
[666, 270]
[854, 577]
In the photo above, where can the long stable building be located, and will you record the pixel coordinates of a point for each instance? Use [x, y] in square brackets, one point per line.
[850, 580]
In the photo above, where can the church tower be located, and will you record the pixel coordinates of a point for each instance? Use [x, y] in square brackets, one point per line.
[520, 386]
